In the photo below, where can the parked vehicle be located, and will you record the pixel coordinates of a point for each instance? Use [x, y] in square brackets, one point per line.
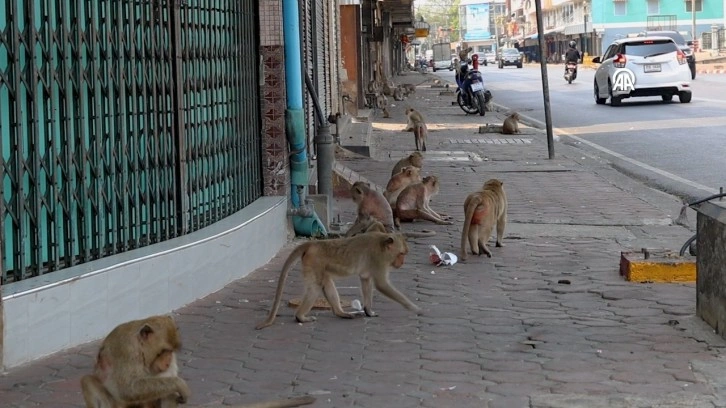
[510, 56]
[490, 57]
[682, 44]
[442, 56]
[642, 66]
[470, 94]
[570, 72]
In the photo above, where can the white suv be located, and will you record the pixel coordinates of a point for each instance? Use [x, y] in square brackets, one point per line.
[642, 66]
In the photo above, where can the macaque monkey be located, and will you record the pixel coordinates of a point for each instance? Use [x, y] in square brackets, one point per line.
[407, 176]
[409, 89]
[413, 202]
[382, 104]
[373, 87]
[370, 256]
[364, 225]
[511, 124]
[482, 210]
[398, 94]
[387, 88]
[414, 159]
[420, 131]
[371, 203]
[130, 367]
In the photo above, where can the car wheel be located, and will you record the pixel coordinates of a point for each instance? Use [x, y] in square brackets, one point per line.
[685, 97]
[598, 99]
[614, 100]
[667, 98]
[519, 65]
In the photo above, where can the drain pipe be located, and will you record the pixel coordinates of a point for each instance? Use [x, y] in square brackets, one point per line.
[304, 220]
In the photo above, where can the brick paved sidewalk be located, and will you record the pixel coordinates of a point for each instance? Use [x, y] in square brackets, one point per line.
[546, 322]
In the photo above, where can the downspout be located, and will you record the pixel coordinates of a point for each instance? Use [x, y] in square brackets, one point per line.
[304, 219]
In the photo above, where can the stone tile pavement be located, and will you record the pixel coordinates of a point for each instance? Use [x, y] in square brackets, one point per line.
[546, 322]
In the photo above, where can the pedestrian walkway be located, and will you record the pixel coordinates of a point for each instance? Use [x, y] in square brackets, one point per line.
[546, 322]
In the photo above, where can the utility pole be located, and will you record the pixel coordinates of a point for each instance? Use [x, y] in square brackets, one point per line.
[693, 22]
[545, 83]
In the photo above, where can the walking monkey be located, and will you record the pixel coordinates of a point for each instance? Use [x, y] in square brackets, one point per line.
[420, 131]
[482, 210]
[370, 256]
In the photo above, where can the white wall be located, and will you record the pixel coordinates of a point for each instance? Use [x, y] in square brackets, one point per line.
[63, 309]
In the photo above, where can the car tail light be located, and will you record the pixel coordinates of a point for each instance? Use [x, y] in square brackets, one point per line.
[620, 61]
[681, 57]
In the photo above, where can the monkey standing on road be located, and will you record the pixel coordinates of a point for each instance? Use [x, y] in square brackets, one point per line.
[420, 131]
[482, 210]
[370, 256]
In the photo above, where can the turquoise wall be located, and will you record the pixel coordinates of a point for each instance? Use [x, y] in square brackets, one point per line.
[603, 11]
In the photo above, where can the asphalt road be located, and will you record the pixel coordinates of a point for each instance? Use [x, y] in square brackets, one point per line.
[677, 148]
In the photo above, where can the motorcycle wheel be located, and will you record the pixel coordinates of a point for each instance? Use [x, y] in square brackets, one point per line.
[569, 78]
[481, 101]
[466, 108]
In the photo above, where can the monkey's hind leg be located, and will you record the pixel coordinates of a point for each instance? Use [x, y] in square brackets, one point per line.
[474, 239]
[501, 224]
[95, 394]
[331, 294]
[485, 232]
[306, 304]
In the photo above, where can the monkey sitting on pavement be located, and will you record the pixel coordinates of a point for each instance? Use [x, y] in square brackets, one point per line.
[511, 124]
[414, 159]
[413, 203]
[370, 256]
[407, 176]
[371, 203]
[136, 367]
[482, 210]
[420, 131]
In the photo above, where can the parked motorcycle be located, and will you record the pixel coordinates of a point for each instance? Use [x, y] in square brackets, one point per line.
[474, 98]
[570, 71]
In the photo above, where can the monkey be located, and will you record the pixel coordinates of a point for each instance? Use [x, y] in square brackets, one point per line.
[413, 203]
[409, 89]
[370, 256]
[382, 104]
[387, 89]
[398, 94]
[482, 210]
[364, 225]
[511, 124]
[414, 159]
[371, 203]
[408, 175]
[420, 131]
[128, 364]
[373, 87]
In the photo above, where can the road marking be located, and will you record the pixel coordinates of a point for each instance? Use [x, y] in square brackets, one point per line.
[648, 125]
[565, 132]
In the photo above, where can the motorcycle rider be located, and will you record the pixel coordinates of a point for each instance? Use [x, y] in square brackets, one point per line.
[572, 55]
[462, 70]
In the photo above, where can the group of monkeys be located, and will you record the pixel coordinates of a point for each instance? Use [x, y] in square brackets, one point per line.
[375, 245]
[136, 365]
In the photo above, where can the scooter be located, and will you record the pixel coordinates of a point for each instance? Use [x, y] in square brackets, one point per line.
[474, 98]
[570, 72]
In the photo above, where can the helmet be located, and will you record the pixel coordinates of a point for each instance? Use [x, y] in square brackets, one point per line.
[573, 44]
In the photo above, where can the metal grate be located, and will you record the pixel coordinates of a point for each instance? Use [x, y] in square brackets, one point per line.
[123, 124]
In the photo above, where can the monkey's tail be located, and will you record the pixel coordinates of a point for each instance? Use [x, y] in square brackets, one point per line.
[289, 263]
[419, 234]
[281, 403]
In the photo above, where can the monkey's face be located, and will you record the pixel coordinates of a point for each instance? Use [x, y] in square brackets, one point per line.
[396, 244]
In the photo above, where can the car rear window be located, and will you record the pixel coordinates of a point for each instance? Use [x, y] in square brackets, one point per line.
[649, 48]
[510, 51]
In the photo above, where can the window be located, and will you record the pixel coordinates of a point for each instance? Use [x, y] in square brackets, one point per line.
[699, 5]
[653, 7]
[621, 8]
